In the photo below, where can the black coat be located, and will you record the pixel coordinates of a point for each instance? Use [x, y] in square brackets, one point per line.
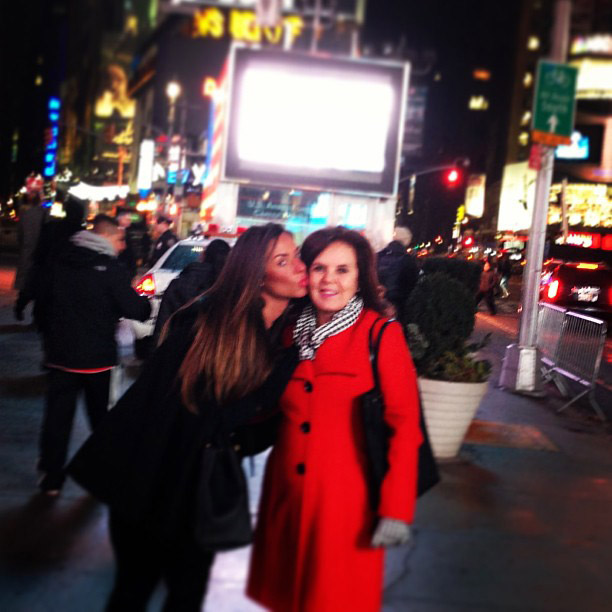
[166, 241]
[143, 459]
[85, 295]
[196, 278]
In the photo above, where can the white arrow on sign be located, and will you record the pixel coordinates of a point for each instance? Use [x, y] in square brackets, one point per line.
[553, 122]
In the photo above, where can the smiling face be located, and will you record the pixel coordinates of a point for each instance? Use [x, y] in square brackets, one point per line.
[333, 278]
[285, 276]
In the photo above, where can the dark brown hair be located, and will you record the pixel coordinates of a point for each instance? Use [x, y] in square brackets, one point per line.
[230, 354]
[368, 278]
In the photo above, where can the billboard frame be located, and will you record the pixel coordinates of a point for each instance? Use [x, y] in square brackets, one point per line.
[386, 187]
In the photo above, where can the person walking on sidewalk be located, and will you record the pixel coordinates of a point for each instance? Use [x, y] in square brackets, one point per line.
[87, 294]
[318, 543]
[217, 365]
[488, 282]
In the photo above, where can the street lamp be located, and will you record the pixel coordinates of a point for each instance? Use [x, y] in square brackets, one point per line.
[173, 91]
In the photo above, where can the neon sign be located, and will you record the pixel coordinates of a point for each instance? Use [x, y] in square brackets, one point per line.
[242, 26]
[51, 134]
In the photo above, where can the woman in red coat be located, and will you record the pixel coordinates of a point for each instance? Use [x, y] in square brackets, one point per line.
[318, 545]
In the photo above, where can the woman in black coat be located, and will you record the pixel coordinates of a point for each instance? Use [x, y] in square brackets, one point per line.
[216, 369]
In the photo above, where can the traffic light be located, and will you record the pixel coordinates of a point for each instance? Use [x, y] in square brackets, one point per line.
[468, 242]
[452, 177]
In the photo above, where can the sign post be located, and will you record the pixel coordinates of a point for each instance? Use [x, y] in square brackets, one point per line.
[553, 121]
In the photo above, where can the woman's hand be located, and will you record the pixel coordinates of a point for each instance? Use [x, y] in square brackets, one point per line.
[391, 532]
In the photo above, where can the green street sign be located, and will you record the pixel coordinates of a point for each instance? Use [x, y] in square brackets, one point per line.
[554, 102]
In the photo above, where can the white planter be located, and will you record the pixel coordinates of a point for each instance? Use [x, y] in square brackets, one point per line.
[449, 408]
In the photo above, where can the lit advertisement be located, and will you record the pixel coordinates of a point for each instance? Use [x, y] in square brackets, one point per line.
[325, 124]
[517, 197]
[475, 195]
[585, 146]
[594, 79]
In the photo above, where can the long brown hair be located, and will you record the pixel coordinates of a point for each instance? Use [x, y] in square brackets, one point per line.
[368, 278]
[230, 354]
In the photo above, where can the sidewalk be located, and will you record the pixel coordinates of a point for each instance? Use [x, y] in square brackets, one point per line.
[521, 522]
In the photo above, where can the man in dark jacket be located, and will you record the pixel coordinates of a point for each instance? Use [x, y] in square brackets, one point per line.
[398, 270]
[165, 238]
[88, 292]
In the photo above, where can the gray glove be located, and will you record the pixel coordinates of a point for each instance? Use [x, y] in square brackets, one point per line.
[391, 532]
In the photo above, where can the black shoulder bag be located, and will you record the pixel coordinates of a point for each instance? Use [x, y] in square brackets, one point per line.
[223, 520]
[377, 434]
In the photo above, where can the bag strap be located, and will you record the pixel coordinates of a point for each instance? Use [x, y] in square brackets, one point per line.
[374, 345]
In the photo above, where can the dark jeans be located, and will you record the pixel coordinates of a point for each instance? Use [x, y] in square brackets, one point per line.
[142, 560]
[62, 393]
[489, 297]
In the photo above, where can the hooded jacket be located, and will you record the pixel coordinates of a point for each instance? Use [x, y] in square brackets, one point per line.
[87, 293]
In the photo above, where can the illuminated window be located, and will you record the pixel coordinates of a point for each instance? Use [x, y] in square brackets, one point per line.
[526, 118]
[437, 77]
[38, 80]
[478, 103]
[523, 139]
[533, 43]
[481, 74]
[528, 79]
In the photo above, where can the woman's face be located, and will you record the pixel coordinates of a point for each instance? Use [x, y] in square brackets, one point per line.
[285, 275]
[333, 279]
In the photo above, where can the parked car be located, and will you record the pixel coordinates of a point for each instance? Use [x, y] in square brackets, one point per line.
[584, 287]
[155, 281]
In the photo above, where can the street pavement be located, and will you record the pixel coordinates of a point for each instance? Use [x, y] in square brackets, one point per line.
[520, 522]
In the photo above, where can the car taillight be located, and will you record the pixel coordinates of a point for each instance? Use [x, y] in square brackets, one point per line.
[553, 289]
[146, 285]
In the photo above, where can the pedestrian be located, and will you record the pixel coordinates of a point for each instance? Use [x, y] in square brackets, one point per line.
[217, 365]
[196, 278]
[32, 216]
[488, 281]
[166, 239]
[505, 272]
[87, 294]
[53, 240]
[398, 270]
[128, 256]
[318, 542]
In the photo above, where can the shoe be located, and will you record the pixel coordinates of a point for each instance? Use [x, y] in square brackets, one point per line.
[50, 485]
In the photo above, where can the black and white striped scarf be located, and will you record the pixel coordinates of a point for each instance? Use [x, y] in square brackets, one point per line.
[308, 337]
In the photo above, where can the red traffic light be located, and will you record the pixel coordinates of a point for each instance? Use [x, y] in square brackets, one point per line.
[468, 241]
[452, 177]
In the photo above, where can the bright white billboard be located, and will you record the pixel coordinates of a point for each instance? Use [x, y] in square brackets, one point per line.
[517, 197]
[302, 121]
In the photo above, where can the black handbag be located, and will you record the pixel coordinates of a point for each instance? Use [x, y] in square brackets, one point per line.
[377, 434]
[222, 520]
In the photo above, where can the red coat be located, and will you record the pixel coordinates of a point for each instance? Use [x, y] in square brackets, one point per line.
[311, 550]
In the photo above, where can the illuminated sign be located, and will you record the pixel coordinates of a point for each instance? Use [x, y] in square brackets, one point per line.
[242, 26]
[596, 44]
[594, 79]
[586, 240]
[298, 121]
[475, 195]
[517, 197]
[145, 164]
[578, 149]
[51, 135]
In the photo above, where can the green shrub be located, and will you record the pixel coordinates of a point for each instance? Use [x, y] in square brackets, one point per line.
[439, 318]
[466, 272]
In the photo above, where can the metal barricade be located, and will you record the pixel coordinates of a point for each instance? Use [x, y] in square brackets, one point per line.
[572, 346]
[550, 324]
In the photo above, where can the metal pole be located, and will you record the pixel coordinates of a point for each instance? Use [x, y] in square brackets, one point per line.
[316, 25]
[527, 369]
